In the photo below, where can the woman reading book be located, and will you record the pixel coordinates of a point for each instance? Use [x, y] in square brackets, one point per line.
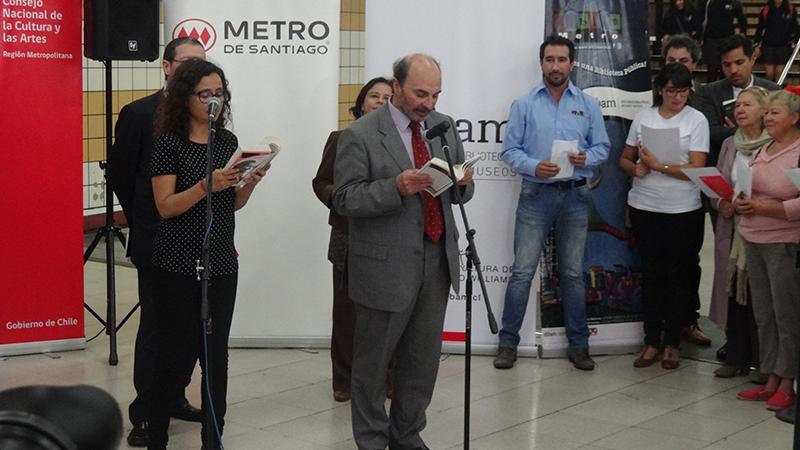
[178, 169]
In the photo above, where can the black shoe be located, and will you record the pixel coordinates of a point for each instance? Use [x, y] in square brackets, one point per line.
[187, 412]
[756, 377]
[729, 371]
[506, 357]
[138, 437]
[787, 415]
[722, 353]
[579, 357]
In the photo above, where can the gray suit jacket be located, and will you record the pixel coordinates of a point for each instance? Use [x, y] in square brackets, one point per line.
[709, 100]
[386, 253]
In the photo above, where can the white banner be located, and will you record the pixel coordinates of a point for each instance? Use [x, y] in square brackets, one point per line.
[489, 53]
[282, 62]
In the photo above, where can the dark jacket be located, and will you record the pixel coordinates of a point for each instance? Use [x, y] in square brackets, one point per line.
[323, 182]
[680, 22]
[709, 101]
[777, 27]
[129, 175]
[717, 18]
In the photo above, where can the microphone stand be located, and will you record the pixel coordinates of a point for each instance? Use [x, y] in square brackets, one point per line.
[473, 259]
[203, 275]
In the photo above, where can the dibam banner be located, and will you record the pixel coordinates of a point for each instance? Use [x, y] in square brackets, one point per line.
[281, 59]
[488, 53]
[41, 223]
[611, 64]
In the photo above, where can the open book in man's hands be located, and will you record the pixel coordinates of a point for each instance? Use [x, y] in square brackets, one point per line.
[253, 158]
[438, 170]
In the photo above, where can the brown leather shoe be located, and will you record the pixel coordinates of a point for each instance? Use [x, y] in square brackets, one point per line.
[341, 396]
[642, 362]
[671, 358]
[695, 335]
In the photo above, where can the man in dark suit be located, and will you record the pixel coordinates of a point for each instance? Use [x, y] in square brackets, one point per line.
[403, 254]
[129, 176]
[716, 100]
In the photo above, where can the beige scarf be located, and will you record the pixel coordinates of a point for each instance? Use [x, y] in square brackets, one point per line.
[737, 266]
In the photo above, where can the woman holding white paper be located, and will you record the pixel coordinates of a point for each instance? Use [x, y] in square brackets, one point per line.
[770, 226]
[731, 305]
[665, 209]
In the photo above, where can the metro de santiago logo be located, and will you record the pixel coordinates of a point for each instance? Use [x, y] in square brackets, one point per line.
[197, 29]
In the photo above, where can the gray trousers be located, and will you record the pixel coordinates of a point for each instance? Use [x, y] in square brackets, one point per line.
[775, 287]
[414, 337]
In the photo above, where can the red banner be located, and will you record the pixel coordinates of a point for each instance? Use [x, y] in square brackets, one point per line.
[41, 228]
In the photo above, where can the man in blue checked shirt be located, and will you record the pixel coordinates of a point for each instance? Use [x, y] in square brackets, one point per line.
[553, 111]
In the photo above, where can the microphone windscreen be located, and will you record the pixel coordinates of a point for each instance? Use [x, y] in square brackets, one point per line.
[213, 106]
[438, 130]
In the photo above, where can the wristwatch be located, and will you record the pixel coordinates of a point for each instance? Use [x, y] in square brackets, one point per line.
[666, 167]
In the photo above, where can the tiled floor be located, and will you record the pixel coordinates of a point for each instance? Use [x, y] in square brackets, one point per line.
[281, 399]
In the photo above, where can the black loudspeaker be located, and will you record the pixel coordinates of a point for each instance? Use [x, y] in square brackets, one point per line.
[121, 30]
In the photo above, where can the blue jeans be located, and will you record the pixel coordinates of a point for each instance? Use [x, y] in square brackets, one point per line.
[541, 207]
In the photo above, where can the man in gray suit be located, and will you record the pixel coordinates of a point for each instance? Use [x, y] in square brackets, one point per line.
[403, 256]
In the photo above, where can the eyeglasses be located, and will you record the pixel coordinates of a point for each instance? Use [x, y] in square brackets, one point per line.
[674, 92]
[683, 61]
[205, 95]
[181, 60]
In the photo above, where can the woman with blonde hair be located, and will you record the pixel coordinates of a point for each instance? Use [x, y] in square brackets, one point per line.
[770, 227]
[731, 306]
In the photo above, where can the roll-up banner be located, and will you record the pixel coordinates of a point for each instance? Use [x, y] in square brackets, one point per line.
[612, 64]
[41, 222]
[281, 59]
[489, 56]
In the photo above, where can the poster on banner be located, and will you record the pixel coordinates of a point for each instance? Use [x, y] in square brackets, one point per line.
[281, 59]
[611, 64]
[41, 307]
[482, 73]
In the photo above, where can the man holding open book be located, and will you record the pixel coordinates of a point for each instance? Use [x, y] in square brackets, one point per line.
[403, 254]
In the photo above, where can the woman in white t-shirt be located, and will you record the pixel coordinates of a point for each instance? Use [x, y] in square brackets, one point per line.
[665, 210]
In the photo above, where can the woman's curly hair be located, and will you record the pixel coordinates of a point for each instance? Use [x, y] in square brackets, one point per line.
[173, 114]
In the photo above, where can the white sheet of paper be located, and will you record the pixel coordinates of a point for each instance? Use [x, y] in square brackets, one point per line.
[663, 143]
[559, 154]
[794, 176]
[694, 175]
[744, 178]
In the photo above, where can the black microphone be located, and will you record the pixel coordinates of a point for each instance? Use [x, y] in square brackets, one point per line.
[213, 108]
[438, 130]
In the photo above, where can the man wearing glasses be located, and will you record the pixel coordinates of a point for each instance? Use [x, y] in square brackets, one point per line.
[129, 176]
[682, 49]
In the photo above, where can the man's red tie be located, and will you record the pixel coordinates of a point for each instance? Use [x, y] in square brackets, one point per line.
[430, 204]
